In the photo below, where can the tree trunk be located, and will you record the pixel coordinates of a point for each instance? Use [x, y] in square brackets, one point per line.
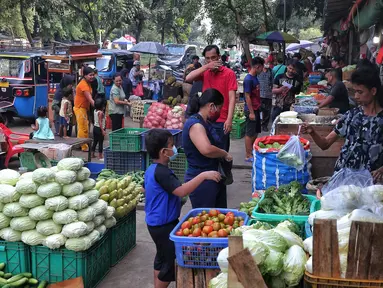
[25, 24]
[246, 47]
[163, 34]
[140, 27]
[265, 15]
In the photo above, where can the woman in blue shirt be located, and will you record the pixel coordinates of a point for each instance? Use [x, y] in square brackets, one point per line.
[200, 142]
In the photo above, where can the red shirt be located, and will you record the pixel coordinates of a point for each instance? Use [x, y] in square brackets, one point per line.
[224, 81]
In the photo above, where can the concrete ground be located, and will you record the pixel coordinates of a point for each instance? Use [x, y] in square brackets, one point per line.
[136, 269]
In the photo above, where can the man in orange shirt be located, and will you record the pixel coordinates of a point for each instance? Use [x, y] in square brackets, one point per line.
[82, 102]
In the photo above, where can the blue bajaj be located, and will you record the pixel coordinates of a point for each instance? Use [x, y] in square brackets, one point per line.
[113, 61]
[23, 84]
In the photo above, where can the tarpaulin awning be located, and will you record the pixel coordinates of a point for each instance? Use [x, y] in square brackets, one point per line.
[369, 15]
[334, 10]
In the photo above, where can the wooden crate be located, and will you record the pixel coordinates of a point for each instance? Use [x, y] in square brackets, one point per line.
[194, 278]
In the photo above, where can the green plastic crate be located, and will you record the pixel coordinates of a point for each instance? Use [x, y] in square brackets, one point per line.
[123, 237]
[238, 129]
[275, 223]
[178, 166]
[63, 264]
[315, 206]
[16, 257]
[27, 160]
[298, 219]
[126, 139]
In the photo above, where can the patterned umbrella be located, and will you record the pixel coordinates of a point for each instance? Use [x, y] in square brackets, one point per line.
[277, 36]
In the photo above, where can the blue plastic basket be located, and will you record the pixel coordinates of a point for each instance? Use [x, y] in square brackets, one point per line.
[124, 162]
[95, 168]
[198, 252]
[177, 138]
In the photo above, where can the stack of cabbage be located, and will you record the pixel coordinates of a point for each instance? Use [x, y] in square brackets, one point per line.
[53, 207]
[278, 253]
[122, 194]
[347, 203]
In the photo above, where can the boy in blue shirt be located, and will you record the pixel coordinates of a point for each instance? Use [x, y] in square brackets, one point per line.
[163, 193]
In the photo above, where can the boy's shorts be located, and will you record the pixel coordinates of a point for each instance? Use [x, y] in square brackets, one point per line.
[166, 255]
[63, 122]
[253, 127]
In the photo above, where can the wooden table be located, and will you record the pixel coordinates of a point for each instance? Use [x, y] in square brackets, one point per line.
[73, 142]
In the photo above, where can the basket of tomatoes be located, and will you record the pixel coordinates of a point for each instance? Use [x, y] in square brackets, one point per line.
[202, 234]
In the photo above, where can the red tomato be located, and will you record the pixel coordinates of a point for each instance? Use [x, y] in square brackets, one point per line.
[203, 234]
[222, 233]
[229, 221]
[213, 213]
[209, 223]
[213, 234]
[207, 229]
[230, 214]
[179, 233]
[185, 225]
[186, 232]
[197, 232]
[196, 220]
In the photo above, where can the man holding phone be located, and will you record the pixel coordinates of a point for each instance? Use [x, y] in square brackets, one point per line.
[286, 86]
[214, 75]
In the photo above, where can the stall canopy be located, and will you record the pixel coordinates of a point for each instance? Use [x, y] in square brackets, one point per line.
[334, 10]
[122, 41]
[277, 36]
[369, 14]
[302, 44]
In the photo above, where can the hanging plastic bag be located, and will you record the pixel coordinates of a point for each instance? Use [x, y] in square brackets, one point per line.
[293, 153]
[139, 90]
[346, 176]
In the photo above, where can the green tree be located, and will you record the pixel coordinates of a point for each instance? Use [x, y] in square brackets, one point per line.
[105, 15]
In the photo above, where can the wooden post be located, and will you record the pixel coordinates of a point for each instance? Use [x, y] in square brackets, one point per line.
[235, 246]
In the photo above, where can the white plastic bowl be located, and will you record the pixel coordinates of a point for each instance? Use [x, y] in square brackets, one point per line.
[288, 114]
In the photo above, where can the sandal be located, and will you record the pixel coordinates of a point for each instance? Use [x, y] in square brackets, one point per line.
[249, 160]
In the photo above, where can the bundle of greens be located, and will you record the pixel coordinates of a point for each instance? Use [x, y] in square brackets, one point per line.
[248, 207]
[287, 200]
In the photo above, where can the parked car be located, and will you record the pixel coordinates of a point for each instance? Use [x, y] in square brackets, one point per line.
[180, 55]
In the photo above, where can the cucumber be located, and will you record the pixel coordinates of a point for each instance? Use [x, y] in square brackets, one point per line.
[27, 274]
[33, 281]
[2, 266]
[7, 275]
[43, 284]
[15, 278]
[19, 282]
[3, 281]
[2, 273]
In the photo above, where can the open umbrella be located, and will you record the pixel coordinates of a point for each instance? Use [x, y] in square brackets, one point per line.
[152, 48]
[277, 36]
[122, 41]
[302, 44]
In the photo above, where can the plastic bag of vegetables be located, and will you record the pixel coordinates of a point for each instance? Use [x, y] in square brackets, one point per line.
[219, 282]
[344, 197]
[293, 153]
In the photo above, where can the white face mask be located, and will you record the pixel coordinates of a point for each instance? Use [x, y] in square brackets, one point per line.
[267, 66]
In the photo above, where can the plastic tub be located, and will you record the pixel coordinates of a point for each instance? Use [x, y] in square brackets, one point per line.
[200, 252]
[95, 168]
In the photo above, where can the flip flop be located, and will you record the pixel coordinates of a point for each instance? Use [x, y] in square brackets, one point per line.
[249, 160]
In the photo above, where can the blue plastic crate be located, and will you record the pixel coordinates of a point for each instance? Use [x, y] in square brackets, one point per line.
[200, 252]
[124, 162]
[177, 137]
[95, 168]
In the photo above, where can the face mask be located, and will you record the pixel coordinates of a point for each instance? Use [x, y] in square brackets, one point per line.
[213, 116]
[174, 156]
